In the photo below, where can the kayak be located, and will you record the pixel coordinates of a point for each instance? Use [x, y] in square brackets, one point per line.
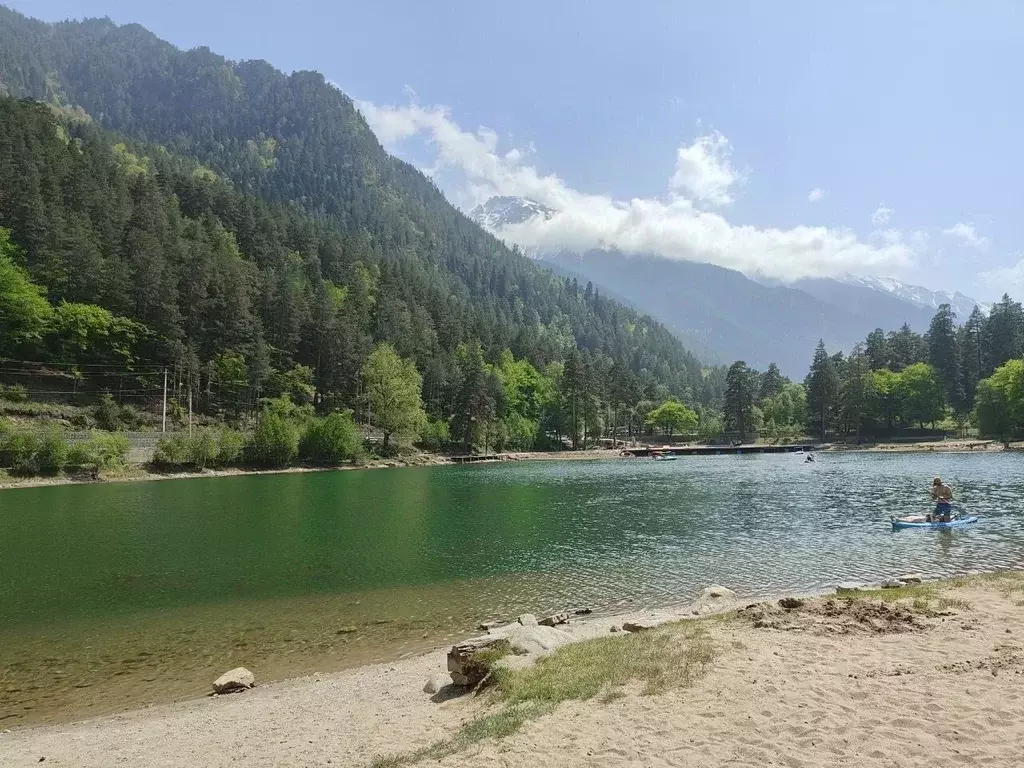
[961, 521]
[665, 458]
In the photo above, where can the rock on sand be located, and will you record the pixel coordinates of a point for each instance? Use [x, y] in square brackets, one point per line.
[238, 679]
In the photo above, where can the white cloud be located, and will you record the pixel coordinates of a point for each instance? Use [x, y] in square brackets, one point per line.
[881, 215]
[967, 234]
[1005, 279]
[815, 195]
[673, 227]
[703, 171]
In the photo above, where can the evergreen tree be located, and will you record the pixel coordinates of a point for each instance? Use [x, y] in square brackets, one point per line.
[740, 392]
[822, 388]
[970, 342]
[1002, 334]
[772, 382]
[944, 355]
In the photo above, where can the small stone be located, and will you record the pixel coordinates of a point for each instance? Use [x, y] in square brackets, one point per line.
[892, 584]
[912, 578]
[239, 679]
[437, 683]
[528, 620]
[615, 628]
[791, 603]
[554, 620]
[346, 630]
[850, 586]
[639, 626]
[583, 611]
[486, 626]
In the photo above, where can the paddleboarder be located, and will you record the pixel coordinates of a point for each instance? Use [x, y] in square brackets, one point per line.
[942, 495]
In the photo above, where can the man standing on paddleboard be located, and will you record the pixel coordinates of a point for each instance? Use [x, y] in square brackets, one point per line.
[943, 496]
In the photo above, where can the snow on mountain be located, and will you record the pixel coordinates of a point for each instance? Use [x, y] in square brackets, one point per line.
[925, 297]
[500, 212]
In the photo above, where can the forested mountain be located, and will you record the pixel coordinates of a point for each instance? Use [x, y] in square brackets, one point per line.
[246, 222]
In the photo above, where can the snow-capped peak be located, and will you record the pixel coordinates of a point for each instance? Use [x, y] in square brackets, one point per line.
[962, 305]
[499, 212]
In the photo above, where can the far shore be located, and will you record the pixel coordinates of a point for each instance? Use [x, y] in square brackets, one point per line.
[922, 675]
[144, 472]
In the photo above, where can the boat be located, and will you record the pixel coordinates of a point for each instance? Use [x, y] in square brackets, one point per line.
[665, 457]
[917, 522]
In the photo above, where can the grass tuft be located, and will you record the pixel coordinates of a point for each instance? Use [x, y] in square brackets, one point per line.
[673, 656]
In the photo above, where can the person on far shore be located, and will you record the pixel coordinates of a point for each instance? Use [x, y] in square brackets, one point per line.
[942, 494]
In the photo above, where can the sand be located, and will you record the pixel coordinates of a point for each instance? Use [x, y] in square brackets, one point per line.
[809, 688]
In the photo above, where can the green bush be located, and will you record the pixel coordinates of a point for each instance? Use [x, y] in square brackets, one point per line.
[20, 453]
[110, 449]
[274, 442]
[51, 452]
[112, 416]
[13, 393]
[332, 440]
[205, 448]
[230, 447]
[436, 435]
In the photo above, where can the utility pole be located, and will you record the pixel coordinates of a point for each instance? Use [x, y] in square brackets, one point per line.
[163, 426]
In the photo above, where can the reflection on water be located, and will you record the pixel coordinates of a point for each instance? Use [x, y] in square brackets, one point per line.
[114, 595]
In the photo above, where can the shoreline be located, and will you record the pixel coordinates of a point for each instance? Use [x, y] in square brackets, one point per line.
[134, 473]
[791, 672]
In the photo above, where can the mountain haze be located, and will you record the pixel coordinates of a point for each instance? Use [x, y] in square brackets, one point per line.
[726, 315]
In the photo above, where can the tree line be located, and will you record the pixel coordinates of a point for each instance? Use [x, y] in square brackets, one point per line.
[121, 254]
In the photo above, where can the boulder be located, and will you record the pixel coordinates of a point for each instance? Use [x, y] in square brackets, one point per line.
[554, 620]
[487, 626]
[615, 628]
[436, 683]
[528, 620]
[714, 599]
[583, 611]
[892, 584]
[467, 668]
[239, 679]
[912, 578]
[849, 587]
[791, 603]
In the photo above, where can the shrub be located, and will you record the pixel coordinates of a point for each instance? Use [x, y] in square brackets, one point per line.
[205, 448]
[274, 442]
[108, 413]
[20, 452]
[110, 449]
[332, 440]
[13, 393]
[436, 435]
[51, 452]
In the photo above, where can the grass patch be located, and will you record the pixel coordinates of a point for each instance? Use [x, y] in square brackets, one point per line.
[926, 599]
[673, 656]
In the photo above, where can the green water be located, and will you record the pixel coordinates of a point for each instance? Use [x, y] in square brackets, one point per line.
[116, 594]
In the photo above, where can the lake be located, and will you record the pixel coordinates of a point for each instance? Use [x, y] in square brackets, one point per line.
[115, 595]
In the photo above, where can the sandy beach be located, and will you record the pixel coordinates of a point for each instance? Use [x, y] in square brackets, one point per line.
[933, 678]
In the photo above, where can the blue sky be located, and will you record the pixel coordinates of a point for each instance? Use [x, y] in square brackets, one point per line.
[696, 129]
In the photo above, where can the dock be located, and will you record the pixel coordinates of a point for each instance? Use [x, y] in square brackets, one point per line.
[719, 450]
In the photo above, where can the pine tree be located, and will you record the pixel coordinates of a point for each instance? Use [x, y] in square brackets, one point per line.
[822, 388]
[740, 393]
[1002, 334]
[944, 355]
[772, 382]
[970, 342]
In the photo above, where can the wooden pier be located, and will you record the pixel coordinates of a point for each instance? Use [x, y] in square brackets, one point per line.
[718, 450]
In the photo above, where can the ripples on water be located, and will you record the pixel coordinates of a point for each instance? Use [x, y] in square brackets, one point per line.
[122, 594]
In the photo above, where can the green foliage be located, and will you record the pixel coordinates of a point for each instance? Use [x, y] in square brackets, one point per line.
[321, 248]
[13, 393]
[29, 452]
[393, 388]
[822, 389]
[24, 311]
[921, 393]
[436, 434]
[274, 442]
[332, 440]
[204, 448]
[741, 390]
[113, 416]
[1000, 401]
[103, 450]
[672, 416]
